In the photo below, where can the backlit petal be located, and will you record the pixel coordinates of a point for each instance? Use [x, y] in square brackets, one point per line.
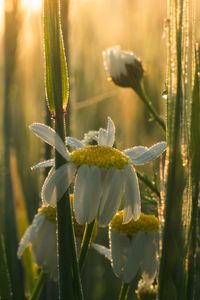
[135, 152]
[110, 132]
[132, 201]
[73, 142]
[107, 137]
[44, 164]
[113, 188]
[87, 193]
[49, 136]
[30, 233]
[135, 256]
[102, 250]
[120, 247]
[149, 264]
[152, 153]
[57, 183]
[102, 137]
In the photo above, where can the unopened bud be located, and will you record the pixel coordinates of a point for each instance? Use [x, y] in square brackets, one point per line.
[123, 67]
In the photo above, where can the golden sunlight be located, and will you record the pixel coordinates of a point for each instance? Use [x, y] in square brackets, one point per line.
[32, 5]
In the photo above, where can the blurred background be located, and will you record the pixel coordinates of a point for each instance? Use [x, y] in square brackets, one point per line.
[89, 27]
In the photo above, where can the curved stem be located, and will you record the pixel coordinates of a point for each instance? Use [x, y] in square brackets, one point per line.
[148, 183]
[124, 291]
[86, 243]
[38, 287]
[141, 93]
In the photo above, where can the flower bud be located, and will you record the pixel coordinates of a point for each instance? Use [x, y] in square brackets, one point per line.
[123, 67]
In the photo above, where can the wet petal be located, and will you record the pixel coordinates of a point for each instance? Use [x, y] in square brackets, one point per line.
[152, 153]
[107, 137]
[120, 247]
[49, 136]
[135, 256]
[102, 250]
[132, 203]
[44, 249]
[113, 189]
[30, 234]
[57, 183]
[102, 136]
[135, 152]
[110, 132]
[44, 164]
[73, 142]
[149, 264]
[87, 193]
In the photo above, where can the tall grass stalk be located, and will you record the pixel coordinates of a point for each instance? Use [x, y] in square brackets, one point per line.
[65, 29]
[57, 95]
[5, 284]
[10, 228]
[195, 174]
[172, 272]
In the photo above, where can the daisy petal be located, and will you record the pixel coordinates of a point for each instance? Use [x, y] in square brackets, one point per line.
[152, 153]
[73, 142]
[57, 183]
[102, 250]
[44, 164]
[132, 203]
[87, 193]
[149, 264]
[102, 136]
[110, 132]
[120, 245]
[113, 189]
[107, 137]
[30, 234]
[134, 152]
[135, 256]
[49, 136]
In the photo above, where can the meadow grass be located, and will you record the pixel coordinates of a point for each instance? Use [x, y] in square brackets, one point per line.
[89, 27]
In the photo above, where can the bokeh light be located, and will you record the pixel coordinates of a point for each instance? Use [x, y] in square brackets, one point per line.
[32, 5]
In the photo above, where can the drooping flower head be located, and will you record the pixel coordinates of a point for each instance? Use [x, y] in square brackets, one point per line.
[133, 247]
[41, 235]
[104, 176]
[123, 67]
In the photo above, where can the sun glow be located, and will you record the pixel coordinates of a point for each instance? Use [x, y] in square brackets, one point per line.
[32, 5]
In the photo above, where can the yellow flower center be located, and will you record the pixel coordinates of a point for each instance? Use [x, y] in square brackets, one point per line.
[145, 223]
[49, 213]
[100, 156]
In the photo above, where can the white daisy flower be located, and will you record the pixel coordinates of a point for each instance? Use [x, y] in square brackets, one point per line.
[123, 67]
[133, 247]
[104, 176]
[41, 234]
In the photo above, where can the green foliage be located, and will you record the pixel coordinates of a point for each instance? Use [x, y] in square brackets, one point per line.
[192, 288]
[56, 77]
[5, 284]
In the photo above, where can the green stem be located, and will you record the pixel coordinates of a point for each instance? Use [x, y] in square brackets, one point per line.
[57, 92]
[195, 187]
[124, 291]
[86, 243]
[38, 287]
[77, 278]
[141, 93]
[148, 183]
[172, 270]
[65, 255]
